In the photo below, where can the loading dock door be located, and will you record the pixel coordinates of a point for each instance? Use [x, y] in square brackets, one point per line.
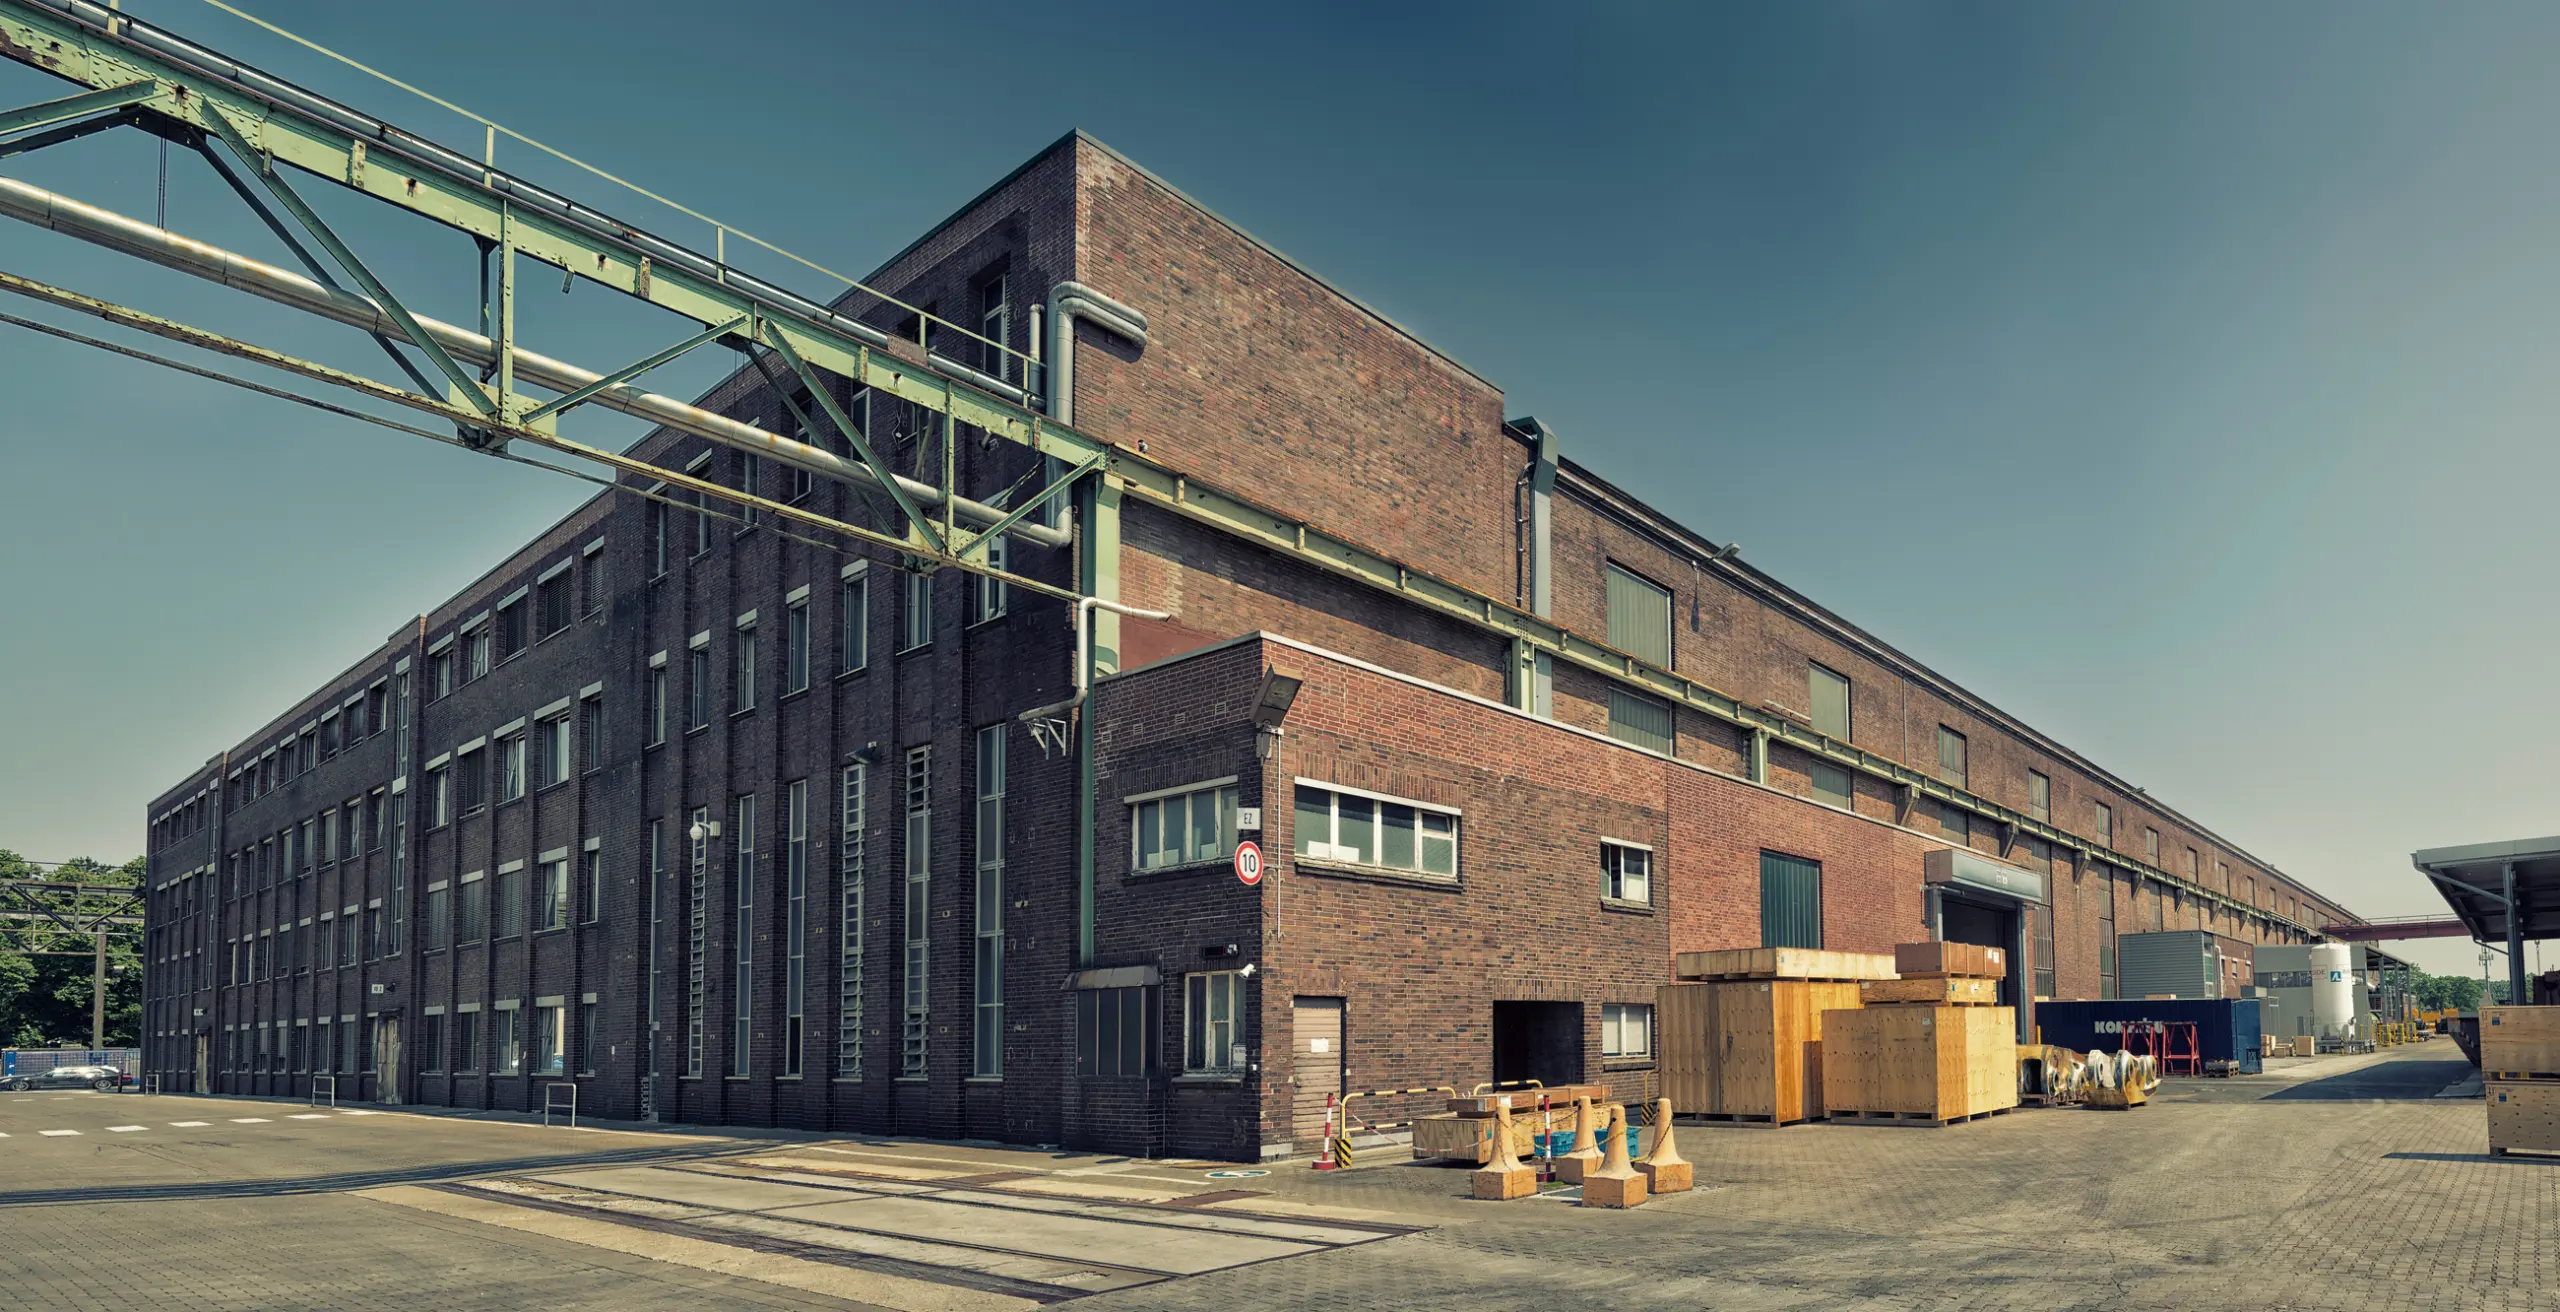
[1317, 1064]
[386, 1059]
[1539, 1041]
[1962, 920]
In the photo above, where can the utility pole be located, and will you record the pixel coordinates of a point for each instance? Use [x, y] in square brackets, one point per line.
[98, 994]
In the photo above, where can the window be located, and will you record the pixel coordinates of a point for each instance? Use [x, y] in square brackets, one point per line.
[307, 847]
[698, 919]
[986, 595]
[2102, 824]
[376, 814]
[856, 602]
[511, 754]
[699, 668]
[328, 735]
[1115, 1029]
[377, 706]
[657, 704]
[507, 1051]
[2039, 797]
[795, 921]
[1955, 824]
[1639, 616]
[439, 915]
[440, 796]
[440, 675]
[550, 1040]
[591, 731]
[1337, 824]
[475, 910]
[742, 939]
[750, 483]
[512, 638]
[795, 647]
[2151, 845]
[1831, 783]
[1626, 1030]
[1640, 720]
[589, 1021]
[1951, 756]
[919, 896]
[508, 894]
[742, 678]
[347, 939]
[1626, 872]
[558, 761]
[2106, 931]
[476, 654]
[473, 767]
[591, 578]
[2044, 950]
[851, 869]
[995, 324]
[658, 512]
[1210, 1004]
[551, 602]
[701, 516]
[431, 1041]
[919, 617]
[1183, 827]
[554, 912]
[591, 879]
[1790, 901]
[1827, 698]
[328, 836]
[988, 1049]
[466, 1041]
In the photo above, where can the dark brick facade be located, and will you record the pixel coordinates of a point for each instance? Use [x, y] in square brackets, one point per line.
[1257, 377]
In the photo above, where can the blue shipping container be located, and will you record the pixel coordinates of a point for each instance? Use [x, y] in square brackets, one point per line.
[2226, 1028]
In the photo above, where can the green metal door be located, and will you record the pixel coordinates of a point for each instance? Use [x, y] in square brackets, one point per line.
[1790, 901]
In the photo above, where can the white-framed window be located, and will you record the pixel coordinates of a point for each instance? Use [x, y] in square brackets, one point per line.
[742, 678]
[1626, 871]
[558, 758]
[918, 909]
[511, 754]
[504, 1044]
[795, 849]
[698, 668]
[476, 654]
[795, 647]
[1181, 826]
[555, 895]
[855, 602]
[988, 1046]
[507, 897]
[1211, 1002]
[918, 630]
[987, 596]
[1626, 1029]
[750, 482]
[1370, 829]
[440, 796]
[550, 1040]
[658, 703]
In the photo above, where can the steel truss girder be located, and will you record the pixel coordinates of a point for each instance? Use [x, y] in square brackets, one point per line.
[916, 518]
[172, 330]
[632, 370]
[70, 39]
[73, 131]
[71, 107]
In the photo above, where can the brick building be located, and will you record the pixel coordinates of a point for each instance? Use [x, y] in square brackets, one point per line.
[723, 825]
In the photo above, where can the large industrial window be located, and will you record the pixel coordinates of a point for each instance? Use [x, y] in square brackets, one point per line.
[750, 483]
[1337, 824]
[795, 922]
[1951, 757]
[1830, 783]
[1626, 872]
[2044, 949]
[1626, 1030]
[1212, 1000]
[1640, 720]
[1790, 901]
[742, 940]
[1180, 827]
[2106, 931]
[511, 629]
[1115, 1029]
[657, 531]
[919, 844]
[1827, 700]
[988, 1061]
[850, 871]
[1639, 616]
[2039, 797]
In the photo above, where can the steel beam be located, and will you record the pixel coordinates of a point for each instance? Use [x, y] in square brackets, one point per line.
[780, 341]
[70, 132]
[632, 370]
[79, 106]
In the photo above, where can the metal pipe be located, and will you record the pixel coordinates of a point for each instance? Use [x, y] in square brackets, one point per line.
[1079, 675]
[114, 231]
[2516, 994]
[1542, 492]
[1069, 301]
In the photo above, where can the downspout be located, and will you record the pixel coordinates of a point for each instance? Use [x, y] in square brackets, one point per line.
[1098, 563]
[1535, 672]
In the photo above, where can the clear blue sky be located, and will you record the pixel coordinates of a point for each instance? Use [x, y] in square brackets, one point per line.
[2176, 376]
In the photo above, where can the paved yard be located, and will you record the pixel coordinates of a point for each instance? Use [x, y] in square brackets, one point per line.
[2329, 1183]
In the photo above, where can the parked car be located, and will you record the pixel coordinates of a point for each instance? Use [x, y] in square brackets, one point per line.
[105, 1079]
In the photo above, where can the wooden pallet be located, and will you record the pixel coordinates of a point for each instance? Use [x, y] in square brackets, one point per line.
[1921, 1119]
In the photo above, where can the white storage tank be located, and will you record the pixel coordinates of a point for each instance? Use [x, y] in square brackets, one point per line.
[2333, 990]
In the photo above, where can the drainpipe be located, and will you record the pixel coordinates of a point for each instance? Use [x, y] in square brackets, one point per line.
[1081, 677]
[1068, 302]
[1533, 674]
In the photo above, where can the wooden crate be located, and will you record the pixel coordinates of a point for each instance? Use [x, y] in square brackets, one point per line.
[1746, 1050]
[1525, 1101]
[1938, 959]
[2520, 1040]
[1782, 963]
[1470, 1138]
[1943, 991]
[2523, 1115]
[1921, 1063]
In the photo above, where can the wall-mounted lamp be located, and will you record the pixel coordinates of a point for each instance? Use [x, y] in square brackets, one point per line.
[703, 829]
[1270, 707]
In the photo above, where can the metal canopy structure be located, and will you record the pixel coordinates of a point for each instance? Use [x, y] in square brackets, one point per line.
[2507, 893]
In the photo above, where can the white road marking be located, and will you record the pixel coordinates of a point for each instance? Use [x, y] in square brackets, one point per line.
[248, 1120]
[363, 1113]
[308, 1116]
[188, 1125]
[56, 1134]
[122, 1129]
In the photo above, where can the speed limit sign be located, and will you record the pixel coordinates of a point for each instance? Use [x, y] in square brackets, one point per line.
[1249, 862]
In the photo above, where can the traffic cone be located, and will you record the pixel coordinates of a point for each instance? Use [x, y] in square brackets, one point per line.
[1665, 1170]
[1585, 1153]
[1504, 1178]
[1614, 1182]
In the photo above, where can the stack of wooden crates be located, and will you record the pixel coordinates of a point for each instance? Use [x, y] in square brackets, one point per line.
[2520, 1068]
[1930, 1048]
[1742, 1039]
[1465, 1131]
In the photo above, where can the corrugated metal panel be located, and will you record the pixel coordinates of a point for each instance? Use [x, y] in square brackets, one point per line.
[2182, 963]
[1639, 617]
[1636, 718]
[1790, 901]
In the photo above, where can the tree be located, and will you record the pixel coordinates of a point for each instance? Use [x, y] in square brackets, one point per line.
[45, 1000]
[2445, 992]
